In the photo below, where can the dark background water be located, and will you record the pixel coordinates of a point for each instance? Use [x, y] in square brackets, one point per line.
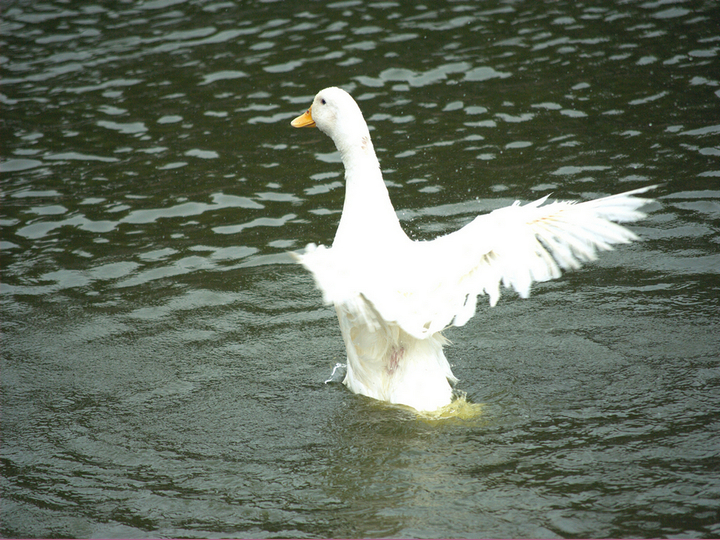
[163, 361]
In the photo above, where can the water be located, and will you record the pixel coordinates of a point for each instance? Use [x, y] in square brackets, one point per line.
[163, 361]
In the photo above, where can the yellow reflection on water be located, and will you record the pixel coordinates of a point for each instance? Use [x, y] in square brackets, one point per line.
[460, 409]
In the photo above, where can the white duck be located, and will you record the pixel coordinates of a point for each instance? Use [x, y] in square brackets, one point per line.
[394, 296]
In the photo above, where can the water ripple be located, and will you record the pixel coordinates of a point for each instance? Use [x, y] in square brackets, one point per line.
[163, 359]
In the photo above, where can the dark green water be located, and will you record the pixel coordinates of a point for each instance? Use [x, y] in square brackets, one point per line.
[163, 361]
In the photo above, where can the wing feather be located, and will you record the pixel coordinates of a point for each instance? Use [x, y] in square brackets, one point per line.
[426, 286]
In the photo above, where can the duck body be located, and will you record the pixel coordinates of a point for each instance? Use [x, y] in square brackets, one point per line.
[394, 296]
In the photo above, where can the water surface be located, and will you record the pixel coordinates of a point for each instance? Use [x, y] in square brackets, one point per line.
[163, 360]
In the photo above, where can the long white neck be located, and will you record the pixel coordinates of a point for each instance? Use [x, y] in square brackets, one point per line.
[368, 216]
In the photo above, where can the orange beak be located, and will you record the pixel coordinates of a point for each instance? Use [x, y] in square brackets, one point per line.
[304, 120]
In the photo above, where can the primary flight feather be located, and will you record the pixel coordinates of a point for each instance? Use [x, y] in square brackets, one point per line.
[394, 295]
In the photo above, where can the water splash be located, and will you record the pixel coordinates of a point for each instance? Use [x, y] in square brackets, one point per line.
[460, 409]
[337, 375]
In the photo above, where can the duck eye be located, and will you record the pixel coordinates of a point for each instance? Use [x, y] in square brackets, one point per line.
[323, 101]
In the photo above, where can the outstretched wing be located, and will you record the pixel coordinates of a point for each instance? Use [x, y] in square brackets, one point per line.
[427, 286]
